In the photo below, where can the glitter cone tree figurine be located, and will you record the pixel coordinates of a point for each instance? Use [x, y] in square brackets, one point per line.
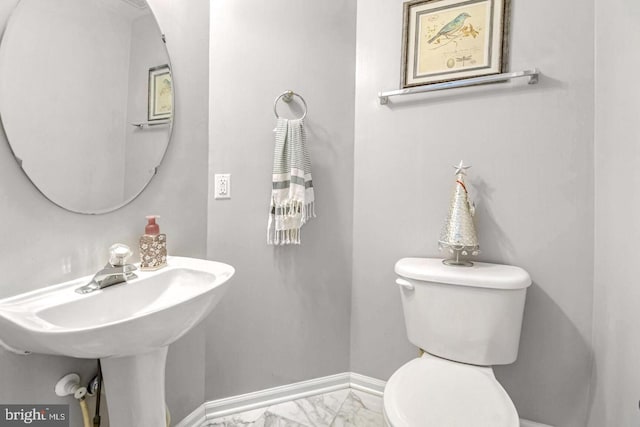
[458, 236]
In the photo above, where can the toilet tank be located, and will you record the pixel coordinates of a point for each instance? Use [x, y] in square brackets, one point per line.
[465, 314]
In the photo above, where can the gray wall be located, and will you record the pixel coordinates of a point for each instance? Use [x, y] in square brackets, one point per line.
[285, 317]
[43, 244]
[617, 295]
[532, 178]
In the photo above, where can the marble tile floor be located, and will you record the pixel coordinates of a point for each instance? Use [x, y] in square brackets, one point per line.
[342, 408]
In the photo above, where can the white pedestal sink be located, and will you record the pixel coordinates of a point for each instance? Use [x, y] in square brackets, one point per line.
[128, 327]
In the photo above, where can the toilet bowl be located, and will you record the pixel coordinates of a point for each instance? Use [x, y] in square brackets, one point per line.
[466, 319]
[430, 391]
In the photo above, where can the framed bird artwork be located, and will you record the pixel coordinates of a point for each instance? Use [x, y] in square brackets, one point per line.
[445, 40]
[160, 93]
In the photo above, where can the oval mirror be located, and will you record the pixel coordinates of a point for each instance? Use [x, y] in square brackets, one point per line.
[86, 99]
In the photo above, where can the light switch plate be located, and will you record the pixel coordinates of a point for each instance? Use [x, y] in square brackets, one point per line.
[222, 186]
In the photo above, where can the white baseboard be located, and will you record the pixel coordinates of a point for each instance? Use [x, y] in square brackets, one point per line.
[195, 419]
[276, 395]
[366, 384]
[527, 423]
[273, 396]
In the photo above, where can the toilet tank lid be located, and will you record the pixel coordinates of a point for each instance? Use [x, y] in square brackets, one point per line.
[481, 274]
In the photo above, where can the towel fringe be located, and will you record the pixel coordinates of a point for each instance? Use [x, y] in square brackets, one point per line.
[285, 237]
[291, 208]
[288, 210]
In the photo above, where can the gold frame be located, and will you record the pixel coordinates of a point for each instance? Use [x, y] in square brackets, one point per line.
[160, 93]
[446, 40]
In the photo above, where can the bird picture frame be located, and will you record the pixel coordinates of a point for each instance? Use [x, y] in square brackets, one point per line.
[446, 40]
[160, 93]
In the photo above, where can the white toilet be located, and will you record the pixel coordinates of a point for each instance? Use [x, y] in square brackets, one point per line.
[466, 319]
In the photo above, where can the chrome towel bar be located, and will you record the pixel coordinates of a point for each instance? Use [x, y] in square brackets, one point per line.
[533, 74]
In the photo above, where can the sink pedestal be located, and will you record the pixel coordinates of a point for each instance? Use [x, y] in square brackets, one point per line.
[128, 327]
[134, 387]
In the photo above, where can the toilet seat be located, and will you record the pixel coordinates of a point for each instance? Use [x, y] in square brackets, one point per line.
[434, 392]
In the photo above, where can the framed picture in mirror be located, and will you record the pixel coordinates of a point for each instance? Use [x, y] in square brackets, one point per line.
[446, 40]
[160, 93]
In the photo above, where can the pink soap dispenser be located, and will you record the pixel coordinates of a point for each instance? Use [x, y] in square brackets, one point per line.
[153, 246]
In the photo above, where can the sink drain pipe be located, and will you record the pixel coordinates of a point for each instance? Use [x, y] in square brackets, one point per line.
[95, 389]
[70, 384]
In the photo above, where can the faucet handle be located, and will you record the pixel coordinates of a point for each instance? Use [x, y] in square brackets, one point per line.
[119, 253]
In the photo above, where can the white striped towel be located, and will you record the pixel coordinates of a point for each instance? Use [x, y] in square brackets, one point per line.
[292, 198]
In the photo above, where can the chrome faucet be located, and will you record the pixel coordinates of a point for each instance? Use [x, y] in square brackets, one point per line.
[114, 272]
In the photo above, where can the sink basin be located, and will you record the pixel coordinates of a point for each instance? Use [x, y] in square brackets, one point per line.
[149, 312]
[128, 326]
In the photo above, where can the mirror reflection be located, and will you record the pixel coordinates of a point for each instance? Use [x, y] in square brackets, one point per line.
[91, 122]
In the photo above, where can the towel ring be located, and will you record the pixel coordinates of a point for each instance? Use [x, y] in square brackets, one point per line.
[287, 96]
